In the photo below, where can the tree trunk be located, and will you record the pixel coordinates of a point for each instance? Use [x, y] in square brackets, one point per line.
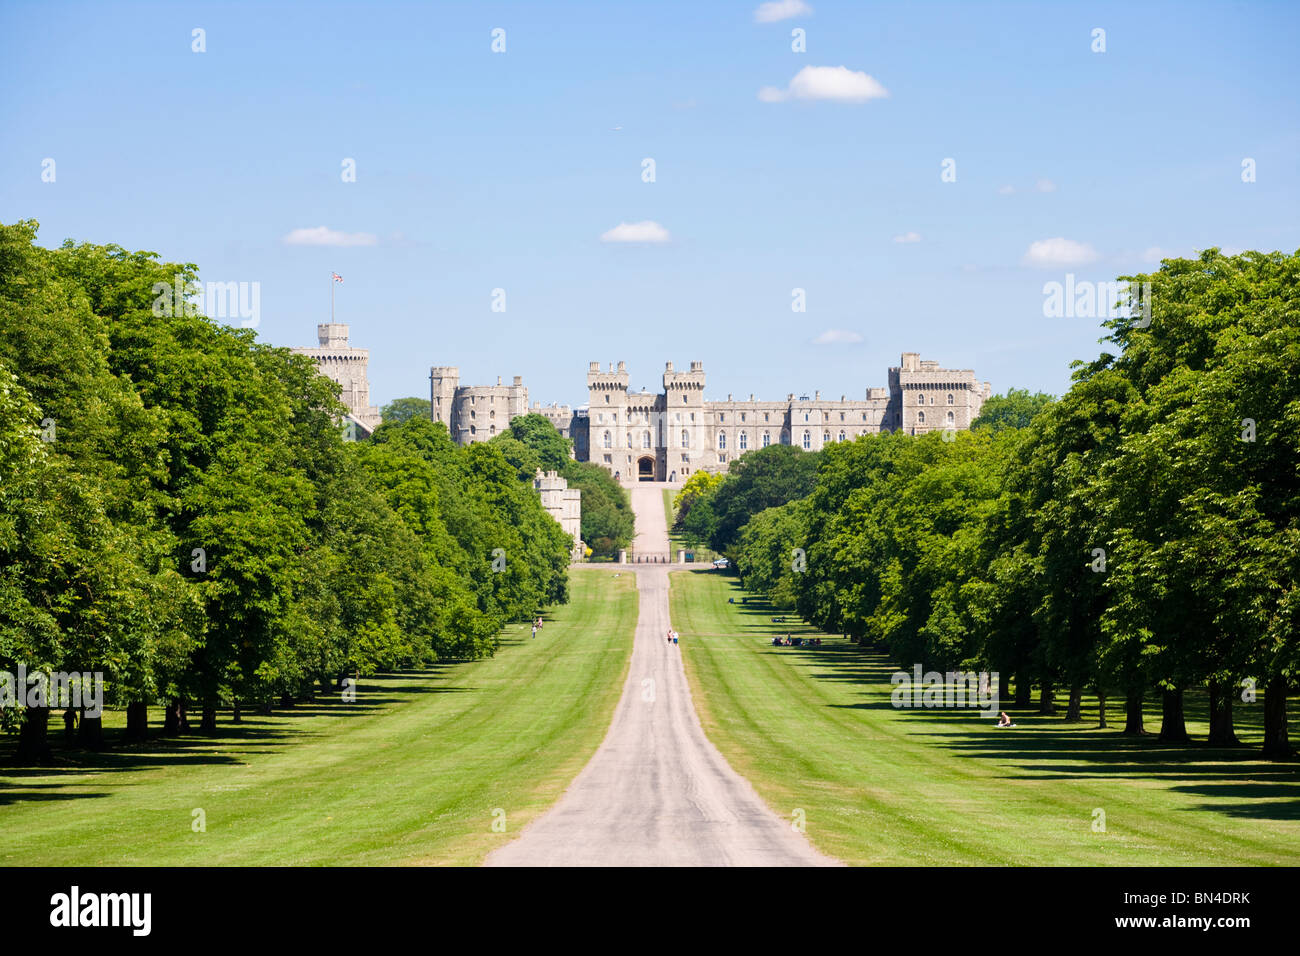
[1004, 686]
[137, 722]
[208, 722]
[70, 724]
[234, 713]
[91, 735]
[285, 701]
[182, 710]
[1222, 733]
[1047, 698]
[1276, 743]
[1101, 709]
[1173, 726]
[172, 718]
[265, 708]
[33, 739]
[1133, 714]
[1024, 690]
[1074, 712]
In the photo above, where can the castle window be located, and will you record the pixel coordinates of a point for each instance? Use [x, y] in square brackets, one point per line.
[805, 416]
[864, 416]
[629, 442]
[807, 439]
[744, 439]
[951, 420]
[767, 439]
[841, 416]
[765, 416]
[742, 416]
[471, 429]
[920, 398]
[826, 438]
[950, 398]
[686, 438]
[609, 440]
[722, 441]
[722, 416]
[492, 414]
[920, 418]
[492, 430]
[471, 415]
[841, 434]
[645, 439]
[607, 398]
[683, 399]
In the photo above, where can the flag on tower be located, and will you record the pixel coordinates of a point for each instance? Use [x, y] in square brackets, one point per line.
[337, 277]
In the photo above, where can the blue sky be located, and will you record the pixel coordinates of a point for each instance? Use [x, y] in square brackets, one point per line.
[478, 170]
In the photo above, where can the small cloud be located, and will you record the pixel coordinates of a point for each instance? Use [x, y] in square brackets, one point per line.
[1156, 253]
[324, 236]
[908, 237]
[826, 83]
[778, 10]
[1045, 186]
[1054, 253]
[1006, 190]
[647, 231]
[837, 337]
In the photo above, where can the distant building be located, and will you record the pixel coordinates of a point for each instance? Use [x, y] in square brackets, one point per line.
[564, 504]
[667, 435]
[347, 366]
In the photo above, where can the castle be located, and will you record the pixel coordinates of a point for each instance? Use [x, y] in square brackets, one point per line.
[667, 435]
[347, 366]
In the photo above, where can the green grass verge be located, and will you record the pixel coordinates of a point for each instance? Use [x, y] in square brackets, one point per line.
[813, 729]
[410, 773]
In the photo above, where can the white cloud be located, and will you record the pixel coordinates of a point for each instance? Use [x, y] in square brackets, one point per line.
[1058, 252]
[1045, 186]
[1006, 190]
[647, 231]
[908, 237]
[826, 83]
[837, 337]
[781, 10]
[324, 236]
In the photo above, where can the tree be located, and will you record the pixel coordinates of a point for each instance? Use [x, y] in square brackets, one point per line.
[1016, 409]
[402, 409]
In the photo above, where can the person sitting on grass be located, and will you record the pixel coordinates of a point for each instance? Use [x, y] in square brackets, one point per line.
[1004, 720]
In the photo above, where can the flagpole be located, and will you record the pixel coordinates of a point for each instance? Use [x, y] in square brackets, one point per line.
[331, 298]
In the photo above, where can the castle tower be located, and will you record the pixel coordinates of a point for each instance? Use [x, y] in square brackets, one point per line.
[685, 428]
[607, 418]
[444, 380]
[337, 360]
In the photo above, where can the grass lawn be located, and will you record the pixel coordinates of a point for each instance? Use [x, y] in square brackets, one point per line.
[814, 729]
[410, 773]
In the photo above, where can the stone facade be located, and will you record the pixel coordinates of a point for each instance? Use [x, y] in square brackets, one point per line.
[668, 435]
[337, 360]
[564, 504]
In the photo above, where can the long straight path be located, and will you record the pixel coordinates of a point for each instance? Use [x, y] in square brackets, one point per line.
[657, 792]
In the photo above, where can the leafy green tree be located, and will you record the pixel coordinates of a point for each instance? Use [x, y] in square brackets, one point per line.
[402, 409]
[1016, 409]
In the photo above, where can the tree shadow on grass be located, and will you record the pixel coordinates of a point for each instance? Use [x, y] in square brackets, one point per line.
[256, 734]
